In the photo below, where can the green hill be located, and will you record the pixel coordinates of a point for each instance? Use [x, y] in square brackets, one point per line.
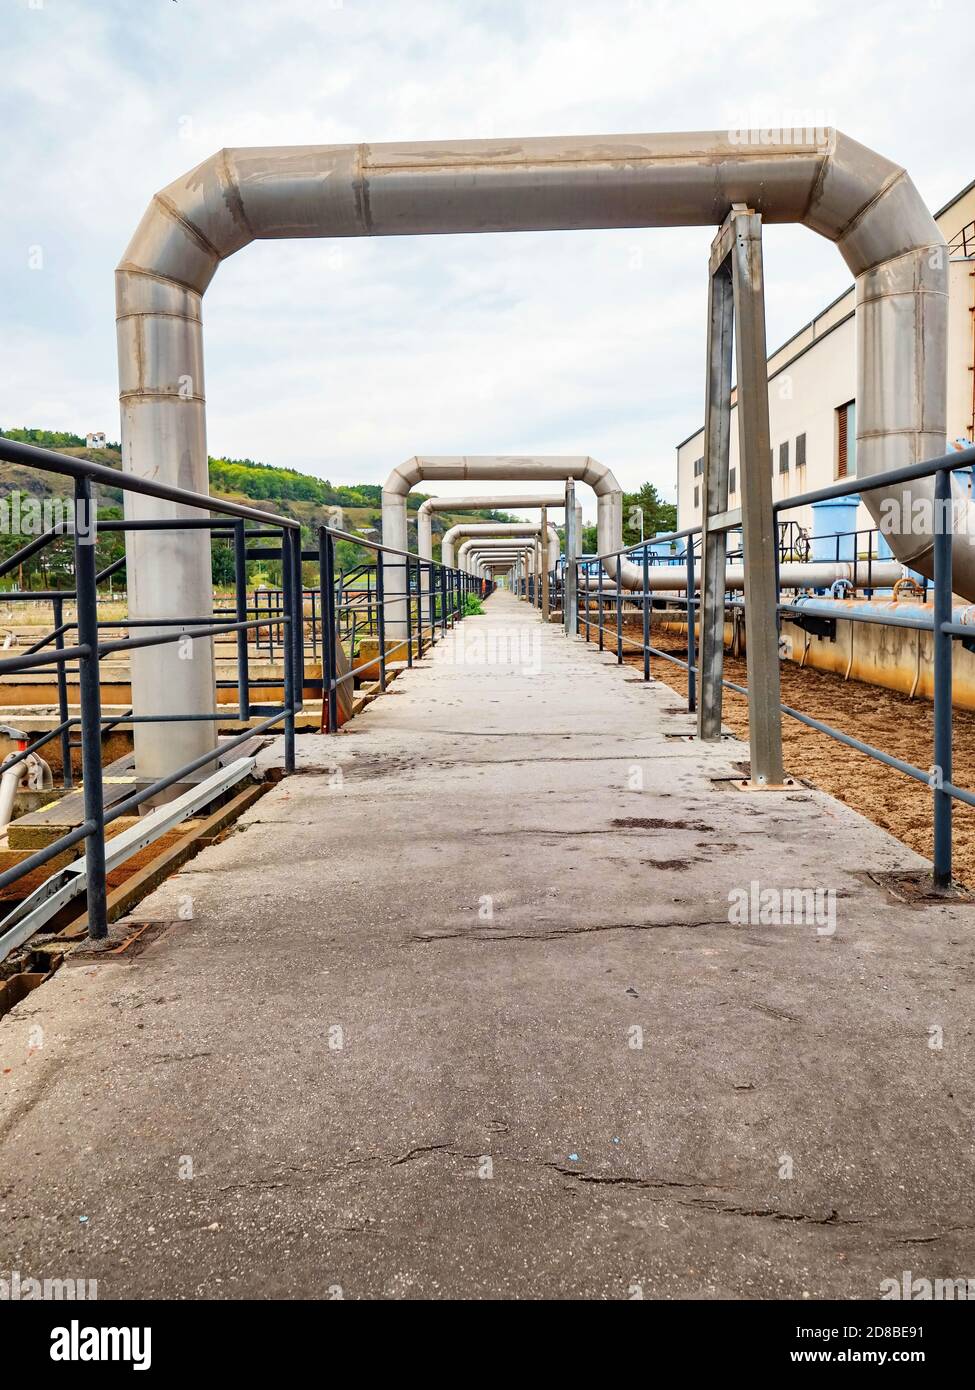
[285, 491]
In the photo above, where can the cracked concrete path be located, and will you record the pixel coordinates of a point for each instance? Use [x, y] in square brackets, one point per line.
[460, 1012]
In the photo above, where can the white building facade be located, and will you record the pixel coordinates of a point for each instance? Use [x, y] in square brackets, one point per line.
[812, 387]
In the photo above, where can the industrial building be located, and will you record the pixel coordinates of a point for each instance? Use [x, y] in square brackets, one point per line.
[812, 389]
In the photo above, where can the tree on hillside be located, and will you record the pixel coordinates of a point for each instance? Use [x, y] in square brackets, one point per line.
[659, 516]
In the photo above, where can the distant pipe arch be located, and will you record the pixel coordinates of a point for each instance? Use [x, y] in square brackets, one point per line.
[502, 530]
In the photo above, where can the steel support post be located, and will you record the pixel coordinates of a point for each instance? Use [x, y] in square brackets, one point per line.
[290, 608]
[570, 579]
[646, 612]
[619, 613]
[67, 780]
[298, 627]
[91, 708]
[408, 568]
[717, 443]
[326, 579]
[942, 679]
[381, 616]
[240, 606]
[691, 645]
[546, 596]
[758, 520]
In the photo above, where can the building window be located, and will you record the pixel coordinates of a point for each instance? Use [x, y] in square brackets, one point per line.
[698, 467]
[697, 497]
[732, 481]
[800, 451]
[784, 457]
[846, 440]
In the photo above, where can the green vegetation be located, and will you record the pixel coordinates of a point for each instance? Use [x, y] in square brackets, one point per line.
[311, 501]
[49, 439]
[473, 606]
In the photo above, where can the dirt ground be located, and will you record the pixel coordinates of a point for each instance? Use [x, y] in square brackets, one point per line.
[890, 721]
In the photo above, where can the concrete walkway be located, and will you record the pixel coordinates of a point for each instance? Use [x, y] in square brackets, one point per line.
[468, 1017]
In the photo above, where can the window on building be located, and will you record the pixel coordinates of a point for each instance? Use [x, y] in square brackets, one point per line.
[784, 457]
[800, 451]
[697, 497]
[698, 468]
[732, 481]
[846, 440]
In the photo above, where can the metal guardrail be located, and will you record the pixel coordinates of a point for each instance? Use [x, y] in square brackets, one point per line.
[945, 633]
[82, 657]
[431, 599]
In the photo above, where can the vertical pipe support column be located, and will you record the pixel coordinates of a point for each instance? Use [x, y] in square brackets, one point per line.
[758, 520]
[717, 445]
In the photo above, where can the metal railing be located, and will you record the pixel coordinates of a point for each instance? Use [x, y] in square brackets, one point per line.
[56, 653]
[429, 598]
[944, 632]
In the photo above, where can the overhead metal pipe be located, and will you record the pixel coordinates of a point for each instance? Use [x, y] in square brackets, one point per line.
[498, 468]
[811, 574]
[502, 542]
[502, 529]
[494, 501]
[863, 202]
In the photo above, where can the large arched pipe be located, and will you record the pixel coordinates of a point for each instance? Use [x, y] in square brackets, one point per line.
[489, 540]
[863, 202]
[502, 529]
[476, 559]
[497, 468]
[489, 502]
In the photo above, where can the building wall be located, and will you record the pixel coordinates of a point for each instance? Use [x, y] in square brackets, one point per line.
[814, 373]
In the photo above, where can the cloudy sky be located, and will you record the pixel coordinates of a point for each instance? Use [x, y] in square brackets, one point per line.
[344, 357]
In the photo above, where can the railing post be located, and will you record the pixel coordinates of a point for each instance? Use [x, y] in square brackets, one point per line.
[421, 589]
[570, 577]
[326, 582]
[381, 616]
[691, 644]
[298, 634]
[599, 607]
[408, 570]
[443, 599]
[619, 608]
[67, 778]
[546, 600]
[942, 678]
[91, 709]
[288, 634]
[646, 612]
[240, 597]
